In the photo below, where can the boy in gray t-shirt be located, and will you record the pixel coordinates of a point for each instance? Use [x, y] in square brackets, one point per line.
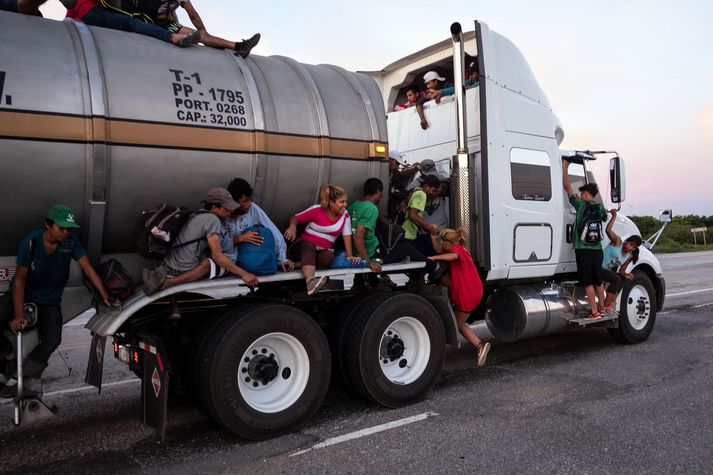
[201, 255]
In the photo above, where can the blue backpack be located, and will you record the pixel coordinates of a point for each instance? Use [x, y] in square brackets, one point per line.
[258, 259]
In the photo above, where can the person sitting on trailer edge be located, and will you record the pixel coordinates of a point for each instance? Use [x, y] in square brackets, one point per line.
[92, 13]
[466, 288]
[249, 214]
[617, 257]
[364, 214]
[197, 252]
[326, 221]
[587, 245]
[168, 19]
[43, 261]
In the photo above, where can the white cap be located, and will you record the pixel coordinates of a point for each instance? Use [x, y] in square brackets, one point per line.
[397, 156]
[431, 75]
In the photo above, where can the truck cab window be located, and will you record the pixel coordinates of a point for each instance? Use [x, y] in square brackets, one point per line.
[530, 175]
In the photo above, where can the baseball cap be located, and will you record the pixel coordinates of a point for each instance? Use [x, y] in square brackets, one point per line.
[63, 216]
[430, 180]
[222, 197]
[431, 75]
[393, 154]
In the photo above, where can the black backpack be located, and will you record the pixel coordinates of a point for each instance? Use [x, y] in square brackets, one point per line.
[590, 226]
[389, 234]
[158, 228]
[116, 280]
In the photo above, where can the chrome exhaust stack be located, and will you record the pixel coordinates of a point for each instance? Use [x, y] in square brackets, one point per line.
[460, 167]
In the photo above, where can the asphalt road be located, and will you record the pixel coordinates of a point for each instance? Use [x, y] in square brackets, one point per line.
[575, 403]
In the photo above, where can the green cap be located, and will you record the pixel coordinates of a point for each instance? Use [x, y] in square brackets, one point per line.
[63, 216]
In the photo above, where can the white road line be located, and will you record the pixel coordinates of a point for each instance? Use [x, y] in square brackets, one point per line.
[689, 292]
[82, 389]
[364, 432]
[703, 305]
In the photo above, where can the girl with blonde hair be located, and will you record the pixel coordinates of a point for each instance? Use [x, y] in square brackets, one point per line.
[325, 222]
[466, 288]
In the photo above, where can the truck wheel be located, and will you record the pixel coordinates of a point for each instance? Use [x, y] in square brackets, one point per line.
[267, 371]
[637, 312]
[395, 349]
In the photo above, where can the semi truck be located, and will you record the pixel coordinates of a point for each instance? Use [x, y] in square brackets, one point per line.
[113, 123]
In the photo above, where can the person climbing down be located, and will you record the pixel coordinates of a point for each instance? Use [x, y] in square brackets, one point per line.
[617, 256]
[168, 19]
[466, 288]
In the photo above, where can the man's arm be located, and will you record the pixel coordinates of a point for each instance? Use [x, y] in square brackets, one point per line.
[419, 221]
[361, 248]
[18, 300]
[565, 178]
[216, 253]
[94, 279]
[193, 15]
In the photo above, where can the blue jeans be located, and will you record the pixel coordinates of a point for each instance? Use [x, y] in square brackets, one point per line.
[101, 17]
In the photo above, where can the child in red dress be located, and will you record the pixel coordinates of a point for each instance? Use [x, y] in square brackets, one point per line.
[466, 289]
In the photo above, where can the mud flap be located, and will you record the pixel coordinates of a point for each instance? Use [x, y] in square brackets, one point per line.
[154, 388]
[95, 363]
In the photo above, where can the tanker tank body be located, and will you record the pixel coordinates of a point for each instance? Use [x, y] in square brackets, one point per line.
[111, 123]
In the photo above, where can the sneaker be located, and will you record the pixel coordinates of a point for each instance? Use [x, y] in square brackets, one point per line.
[483, 350]
[153, 279]
[244, 47]
[386, 280]
[435, 276]
[315, 283]
[190, 40]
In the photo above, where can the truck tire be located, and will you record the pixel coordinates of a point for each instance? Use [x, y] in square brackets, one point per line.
[637, 312]
[265, 371]
[394, 350]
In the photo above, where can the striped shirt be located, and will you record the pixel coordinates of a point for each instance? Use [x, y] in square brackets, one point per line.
[321, 230]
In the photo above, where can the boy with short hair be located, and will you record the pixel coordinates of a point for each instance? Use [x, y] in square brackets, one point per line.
[589, 255]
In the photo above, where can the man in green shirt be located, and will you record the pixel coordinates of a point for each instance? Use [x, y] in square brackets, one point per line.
[364, 214]
[430, 185]
[589, 255]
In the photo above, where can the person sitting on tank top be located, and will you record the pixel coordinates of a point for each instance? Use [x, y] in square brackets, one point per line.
[325, 222]
[92, 13]
[168, 19]
[197, 252]
[249, 214]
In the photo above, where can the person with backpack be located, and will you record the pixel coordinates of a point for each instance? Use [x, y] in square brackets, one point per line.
[586, 240]
[43, 262]
[414, 222]
[242, 228]
[93, 13]
[466, 288]
[167, 18]
[617, 257]
[197, 251]
[325, 222]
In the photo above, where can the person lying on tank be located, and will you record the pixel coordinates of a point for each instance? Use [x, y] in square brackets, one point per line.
[197, 252]
[463, 281]
[587, 246]
[43, 261]
[325, 222]
[92, 13]
[247, 215]
[168, 19]
[413, 94]
[617, 257]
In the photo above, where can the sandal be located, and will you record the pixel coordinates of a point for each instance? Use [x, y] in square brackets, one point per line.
[593, 316]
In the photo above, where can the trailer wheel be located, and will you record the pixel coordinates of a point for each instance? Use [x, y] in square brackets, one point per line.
[267, 373]
[395, 349]
[637, 313]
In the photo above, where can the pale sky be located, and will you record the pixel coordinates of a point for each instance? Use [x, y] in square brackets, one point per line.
[633, 76]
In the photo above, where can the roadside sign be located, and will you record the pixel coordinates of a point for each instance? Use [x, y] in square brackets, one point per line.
[699, 230]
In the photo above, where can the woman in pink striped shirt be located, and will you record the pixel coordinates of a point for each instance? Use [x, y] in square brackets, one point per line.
[325, 222]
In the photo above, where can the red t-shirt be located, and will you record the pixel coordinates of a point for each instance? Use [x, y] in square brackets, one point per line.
[466, 287]
[81, 9]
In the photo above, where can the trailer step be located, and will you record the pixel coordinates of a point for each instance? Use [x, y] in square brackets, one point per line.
[585, 322]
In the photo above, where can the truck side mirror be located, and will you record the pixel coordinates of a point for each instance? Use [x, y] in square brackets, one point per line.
[665, 216]
[617, 180]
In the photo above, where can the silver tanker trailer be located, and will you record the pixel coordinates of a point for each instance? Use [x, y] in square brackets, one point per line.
[112, 123]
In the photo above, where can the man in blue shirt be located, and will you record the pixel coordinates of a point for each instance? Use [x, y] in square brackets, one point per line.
[250, 214]
[43, 261]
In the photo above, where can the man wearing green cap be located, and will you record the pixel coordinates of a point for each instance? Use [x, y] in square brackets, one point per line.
[43, 261]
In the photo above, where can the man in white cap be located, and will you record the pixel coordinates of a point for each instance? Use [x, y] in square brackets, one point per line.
[197, 252]
[400, 177]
